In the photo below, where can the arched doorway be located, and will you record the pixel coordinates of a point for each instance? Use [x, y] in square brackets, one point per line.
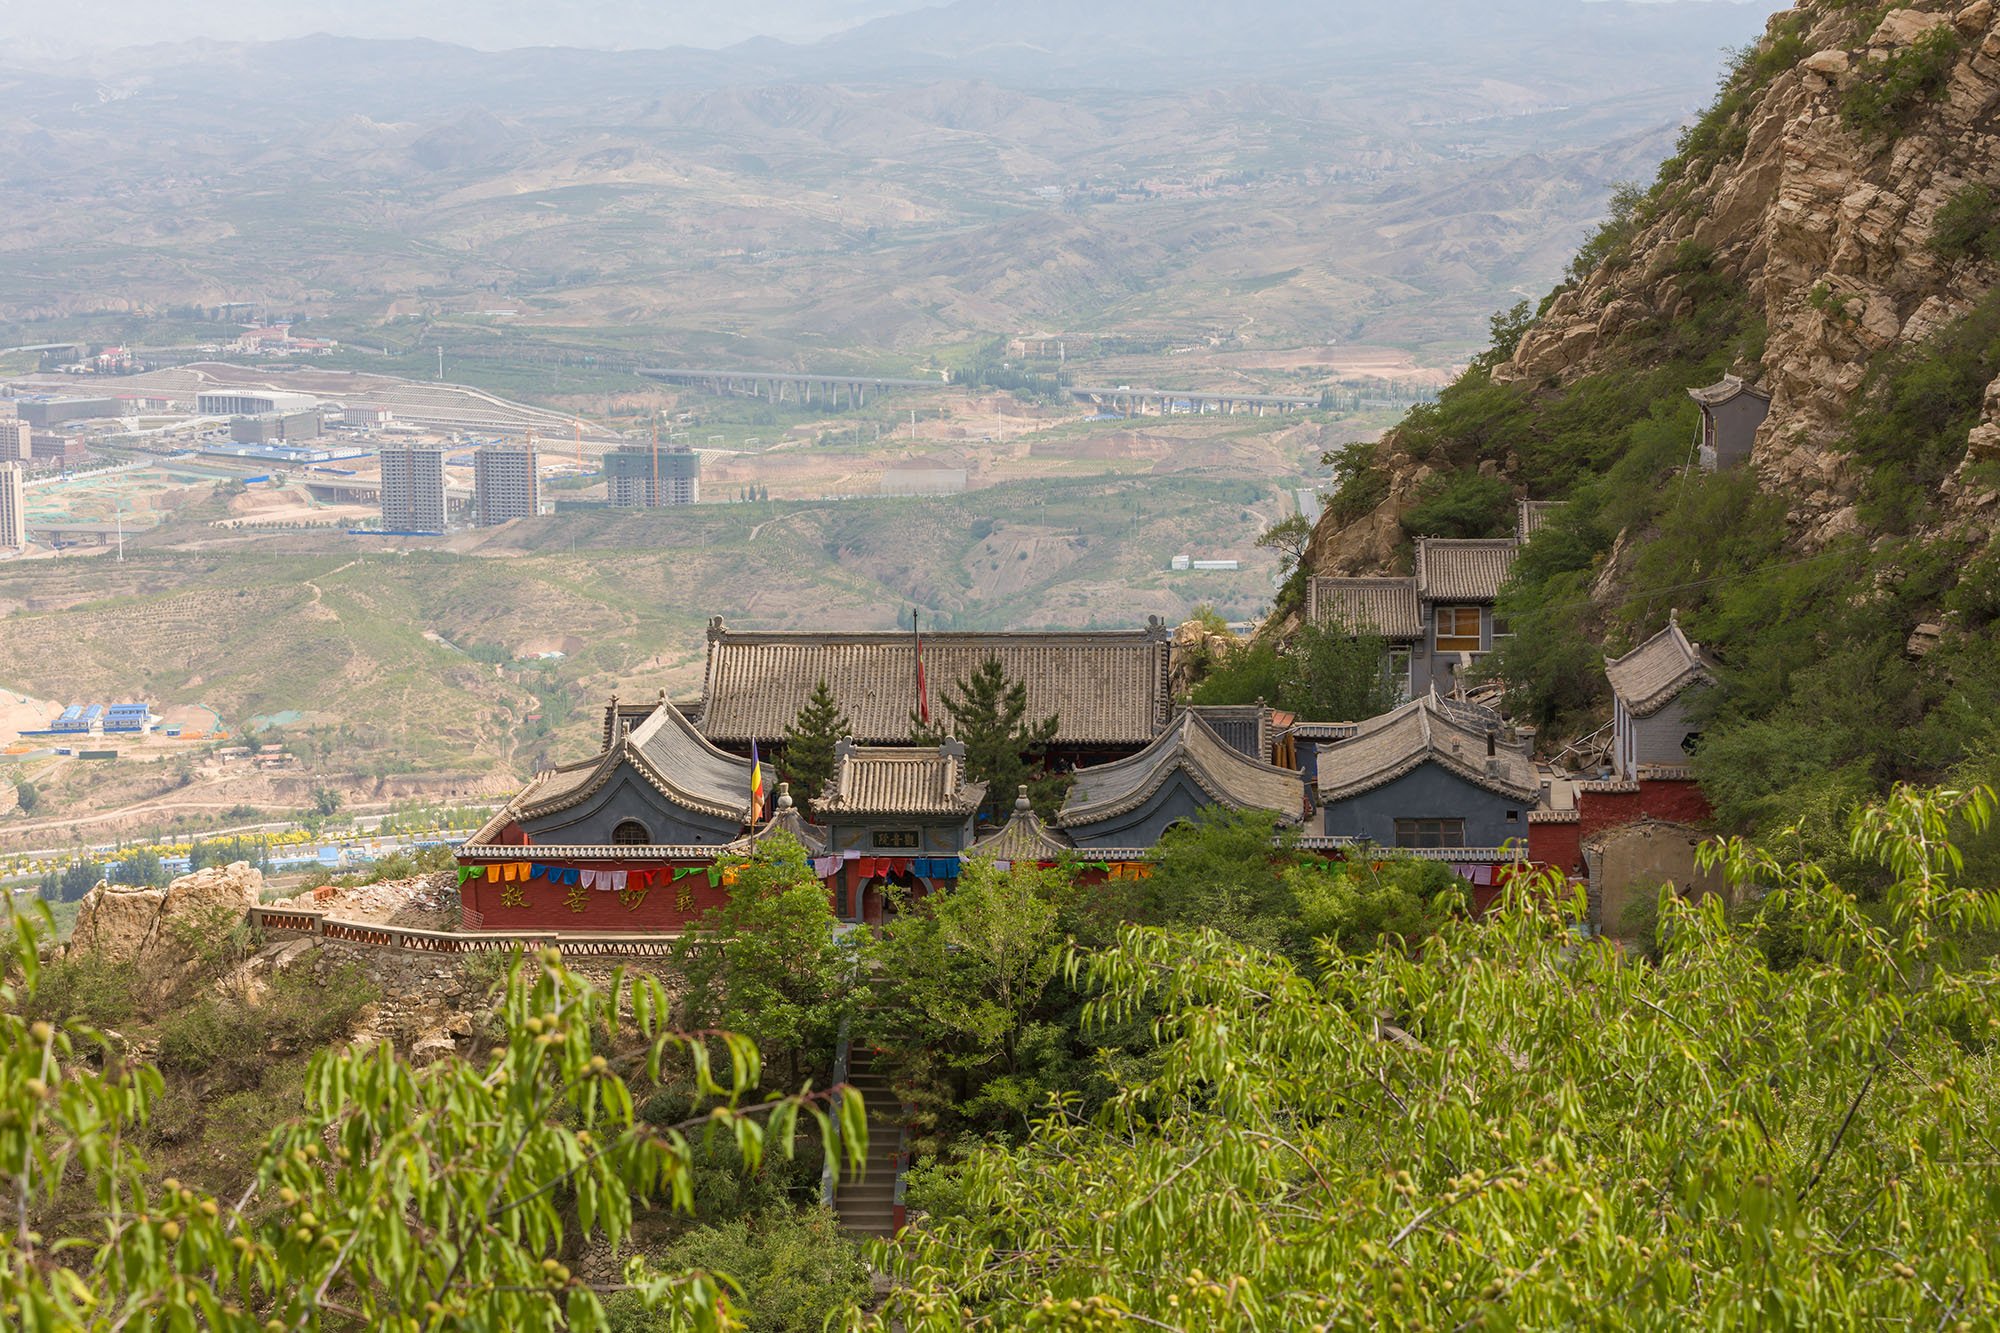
[886, 897]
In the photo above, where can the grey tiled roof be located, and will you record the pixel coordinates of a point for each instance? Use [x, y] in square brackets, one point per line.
[1104, 686]
[1387, 607]
[670, 754]
[1190, 746]
[1455, 569]
[1421, 731]
[1651, 675]
[1245, 728]
[1529, 515]
[899, 780]
[1725, 389]
[1022, 838]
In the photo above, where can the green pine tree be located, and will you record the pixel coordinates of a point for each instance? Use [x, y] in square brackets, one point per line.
[989, 714]
[809, 742]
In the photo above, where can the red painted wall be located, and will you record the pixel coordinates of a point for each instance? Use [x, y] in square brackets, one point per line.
[1559, 845]
[1678, 801]
[667, 906]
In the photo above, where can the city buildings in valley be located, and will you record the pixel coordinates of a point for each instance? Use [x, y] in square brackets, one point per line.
[413, 497]
[505, 484]
[638, 477]
[253, 403]
[274, 426]
[13, 507]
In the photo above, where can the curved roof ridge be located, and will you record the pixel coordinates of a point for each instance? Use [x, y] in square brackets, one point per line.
[1189, 745]
[685, 767]
[1377, 757]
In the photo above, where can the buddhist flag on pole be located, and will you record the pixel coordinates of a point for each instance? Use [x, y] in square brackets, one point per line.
[923, 695]
[756, 785]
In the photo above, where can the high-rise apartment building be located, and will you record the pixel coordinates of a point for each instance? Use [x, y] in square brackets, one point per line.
[505, 484]
[13, 507]
[413, 489]
[16, 440]
[640, 477]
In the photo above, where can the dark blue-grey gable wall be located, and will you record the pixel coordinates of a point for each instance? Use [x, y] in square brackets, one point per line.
[1429, 791]
[1178, 798]
[629, 796]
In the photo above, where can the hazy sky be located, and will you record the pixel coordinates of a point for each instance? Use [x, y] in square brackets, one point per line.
[492, 24]
[32, 28]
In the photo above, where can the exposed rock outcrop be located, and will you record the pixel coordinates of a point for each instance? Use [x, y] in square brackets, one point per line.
[165, 932]
[1825, 222]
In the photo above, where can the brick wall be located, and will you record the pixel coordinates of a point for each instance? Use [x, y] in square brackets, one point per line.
[1557, 844]
[667, 906]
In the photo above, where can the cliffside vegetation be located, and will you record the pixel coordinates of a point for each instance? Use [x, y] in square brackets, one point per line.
[1826, 228]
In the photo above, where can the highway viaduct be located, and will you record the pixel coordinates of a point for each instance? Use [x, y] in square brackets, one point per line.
[780, 386]
[1129, 401]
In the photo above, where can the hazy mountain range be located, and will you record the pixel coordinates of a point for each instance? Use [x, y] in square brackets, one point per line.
[1371, 171]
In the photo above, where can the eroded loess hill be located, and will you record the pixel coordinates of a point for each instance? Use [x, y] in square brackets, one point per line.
[1828, 230]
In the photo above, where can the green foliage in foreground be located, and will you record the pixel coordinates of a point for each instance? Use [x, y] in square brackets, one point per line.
[401, 1200]
[1513, 1128]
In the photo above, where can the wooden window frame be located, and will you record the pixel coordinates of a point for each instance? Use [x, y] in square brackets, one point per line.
[1457, 641]
[646, 840]
[1402, 661]
[1447, 833]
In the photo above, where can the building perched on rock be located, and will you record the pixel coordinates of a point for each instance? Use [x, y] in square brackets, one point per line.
[1653, 689]
[1731, 412]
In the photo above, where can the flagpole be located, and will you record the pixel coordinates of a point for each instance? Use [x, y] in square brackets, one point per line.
[917, 655]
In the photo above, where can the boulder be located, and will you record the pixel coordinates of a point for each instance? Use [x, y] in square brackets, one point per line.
[433, 1045]
[212, 892]
[1983, 443]
[114, 921]
[1900, 27]
[164, 931]
[1830, 64]
[1973, 19]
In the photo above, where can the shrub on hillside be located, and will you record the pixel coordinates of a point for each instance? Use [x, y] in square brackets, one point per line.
[228, 1044]
[797, 1270]
[1461, 504]
[1887, 93]
[1968, 226]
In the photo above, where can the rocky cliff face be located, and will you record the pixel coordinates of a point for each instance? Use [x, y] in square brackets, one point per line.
[165, 932]
[1825, 217]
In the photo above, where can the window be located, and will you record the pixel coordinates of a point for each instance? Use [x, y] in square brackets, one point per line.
[1399, 669]
[1458, 629]
[1501, 629]
[631, 833]
[1430, 833]
[895, 838]
[1513, 816]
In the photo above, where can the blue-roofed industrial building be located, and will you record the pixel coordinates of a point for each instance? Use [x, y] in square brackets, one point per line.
[99, 720]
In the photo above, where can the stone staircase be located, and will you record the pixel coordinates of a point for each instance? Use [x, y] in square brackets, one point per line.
[868, 1207]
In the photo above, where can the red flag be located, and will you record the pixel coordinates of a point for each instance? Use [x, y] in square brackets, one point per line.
[923, 695]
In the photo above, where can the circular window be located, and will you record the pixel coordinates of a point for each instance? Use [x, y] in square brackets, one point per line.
[631, 833]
